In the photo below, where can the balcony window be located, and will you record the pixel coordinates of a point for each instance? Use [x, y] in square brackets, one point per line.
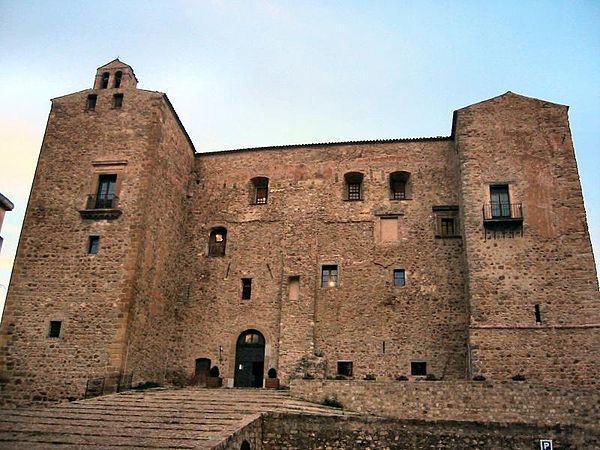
[105, 196]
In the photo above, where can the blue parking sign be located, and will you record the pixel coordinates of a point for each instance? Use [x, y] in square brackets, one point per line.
[545, 444]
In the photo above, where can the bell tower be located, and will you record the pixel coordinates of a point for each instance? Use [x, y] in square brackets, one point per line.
[115, 75]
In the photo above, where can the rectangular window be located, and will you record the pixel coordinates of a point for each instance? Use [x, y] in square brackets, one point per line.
[117, 100]
[353, 191]
[94, 245]
[447, 227]
[538, 314]
[418, 368]
[329, 276]
[54, 330]
[344, 368]
[246, 288]
[399, 277]
[500, 201]
[91, 102]
[105, 196]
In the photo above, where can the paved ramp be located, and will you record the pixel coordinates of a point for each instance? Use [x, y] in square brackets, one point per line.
[154, 419]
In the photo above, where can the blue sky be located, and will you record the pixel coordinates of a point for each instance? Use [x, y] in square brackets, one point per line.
[251, 73]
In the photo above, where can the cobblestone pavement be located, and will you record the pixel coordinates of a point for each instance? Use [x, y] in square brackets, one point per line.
[153, 419]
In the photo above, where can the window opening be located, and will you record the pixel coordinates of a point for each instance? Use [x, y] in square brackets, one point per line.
[105, 196]
[252, 339]
[447, 226]
[399, 277]
[329, 276]
[104, 83]
[246, 288]
[91, 102]
[117, 100]
[260, 190]
[354, 182]
[398, 184]
[217, 242]
[344, 368]
[500, 201]
[418, 368]
[94, 245]
[538, 314]
[118, 77]
[54, 330]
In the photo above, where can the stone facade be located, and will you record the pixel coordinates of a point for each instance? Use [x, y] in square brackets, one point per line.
[142, 252]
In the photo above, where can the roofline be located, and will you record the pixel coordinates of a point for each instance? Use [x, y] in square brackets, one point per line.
[326, 144]
[187, 136]
[5, 203]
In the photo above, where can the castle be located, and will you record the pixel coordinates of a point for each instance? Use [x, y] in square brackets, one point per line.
[449, 258]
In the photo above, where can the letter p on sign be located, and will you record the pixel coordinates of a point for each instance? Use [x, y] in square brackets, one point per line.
[545, 444]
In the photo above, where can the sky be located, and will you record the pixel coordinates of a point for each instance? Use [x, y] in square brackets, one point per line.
[258, 73]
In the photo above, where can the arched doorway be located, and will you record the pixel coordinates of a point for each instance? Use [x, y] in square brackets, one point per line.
[249, 359]
[202, 371]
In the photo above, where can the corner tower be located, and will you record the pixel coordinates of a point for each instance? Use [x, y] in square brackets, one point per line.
[531, 281]
[92, 285]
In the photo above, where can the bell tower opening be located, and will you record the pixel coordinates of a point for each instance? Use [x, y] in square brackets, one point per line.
[115, 75]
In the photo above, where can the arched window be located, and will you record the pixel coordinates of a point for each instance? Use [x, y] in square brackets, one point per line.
[118, 77]
[354, 181]
[104, 83]
[260, 190]
[245, 446]
[217, 242]
[399, 185]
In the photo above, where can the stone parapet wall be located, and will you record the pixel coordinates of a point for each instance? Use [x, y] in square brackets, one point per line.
[482, 401]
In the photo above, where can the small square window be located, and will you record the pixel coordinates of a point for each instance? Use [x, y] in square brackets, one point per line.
[399, 277]
[329, 276]
[117, 100]
[246, 288]
[94, 245]
[91, 102]
[418, 368]
[344, 368]
[54, 330]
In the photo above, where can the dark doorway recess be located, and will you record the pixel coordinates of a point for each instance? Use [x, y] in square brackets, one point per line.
[249, 359]
[202, 371]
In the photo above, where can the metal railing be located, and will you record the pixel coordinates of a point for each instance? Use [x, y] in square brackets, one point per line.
[104, 201]
[502, 211]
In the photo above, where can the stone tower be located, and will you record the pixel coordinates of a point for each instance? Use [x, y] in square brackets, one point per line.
[101, 229]
[531, 282]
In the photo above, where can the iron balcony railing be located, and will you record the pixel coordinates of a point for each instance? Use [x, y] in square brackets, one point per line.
[503, 212]
[104, 201]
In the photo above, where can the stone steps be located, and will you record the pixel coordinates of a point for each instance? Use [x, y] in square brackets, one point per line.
[158, 418]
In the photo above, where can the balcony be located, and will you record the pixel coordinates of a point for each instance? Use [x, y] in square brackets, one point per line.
[101, 207]
[502, 212]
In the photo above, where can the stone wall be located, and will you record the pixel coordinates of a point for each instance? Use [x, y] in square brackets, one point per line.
[342, 433]
[526, 144]
[478, 401]
[56, 279]
[307, 222]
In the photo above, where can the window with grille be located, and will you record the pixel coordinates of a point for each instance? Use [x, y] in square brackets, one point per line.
[354, 188]
[329, 276]
[399, 277]
[398, 185]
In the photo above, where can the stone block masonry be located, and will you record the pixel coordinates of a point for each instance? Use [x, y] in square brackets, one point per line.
[449, 257]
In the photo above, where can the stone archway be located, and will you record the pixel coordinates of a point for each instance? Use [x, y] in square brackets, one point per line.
[249, 359]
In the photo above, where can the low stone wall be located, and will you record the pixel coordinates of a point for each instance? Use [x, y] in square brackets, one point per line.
[515, 402]
[288, 431]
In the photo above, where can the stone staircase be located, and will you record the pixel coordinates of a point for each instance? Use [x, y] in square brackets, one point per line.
[154, 419]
